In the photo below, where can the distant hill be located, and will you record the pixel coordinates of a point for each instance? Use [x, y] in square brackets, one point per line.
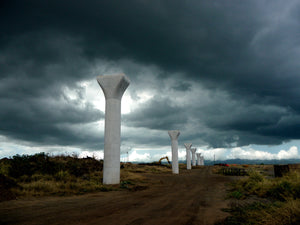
[248, 161]
[245, 161]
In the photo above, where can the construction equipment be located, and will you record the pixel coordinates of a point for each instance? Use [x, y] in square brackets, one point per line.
[158, 163]
[166, 157]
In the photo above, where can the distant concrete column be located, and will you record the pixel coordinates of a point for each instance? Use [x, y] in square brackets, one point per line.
[188, 155]
[202, 160]
[193, 150]
[174, 142]
[198, 159]
[113, 87]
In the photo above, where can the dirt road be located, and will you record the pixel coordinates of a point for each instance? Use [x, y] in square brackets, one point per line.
[192, 197]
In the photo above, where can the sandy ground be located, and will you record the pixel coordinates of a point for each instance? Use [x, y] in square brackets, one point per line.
[192, 197]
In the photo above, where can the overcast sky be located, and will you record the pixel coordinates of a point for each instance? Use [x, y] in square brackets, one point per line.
[225, 73]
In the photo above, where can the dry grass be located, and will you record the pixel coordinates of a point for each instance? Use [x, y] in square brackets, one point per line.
[276, 200]
[44, 175]
[65, 184]
[61, 184]
[287, 213]
[134, 177]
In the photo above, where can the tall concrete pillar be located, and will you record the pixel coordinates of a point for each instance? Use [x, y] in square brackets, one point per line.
[174, 143]
[193, 150]
[188, 155]
[198, 159]
[113, 87]
[202, 160]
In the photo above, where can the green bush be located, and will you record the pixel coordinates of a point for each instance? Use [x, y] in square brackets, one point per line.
[28, 165]
[281, 191]
[42, 163]
[236, 195]
[125, 184]
[278, 202]
[255, 176]
[41, 174]
[62, 176]
[4, 167]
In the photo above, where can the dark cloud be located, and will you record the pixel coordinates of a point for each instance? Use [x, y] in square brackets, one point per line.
[158, 113]
[47, 122]
[246, 50]
[181, 86]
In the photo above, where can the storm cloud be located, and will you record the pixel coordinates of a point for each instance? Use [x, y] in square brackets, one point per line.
[226, 73]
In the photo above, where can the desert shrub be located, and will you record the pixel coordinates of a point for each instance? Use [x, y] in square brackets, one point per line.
[250, 185]
[6, 184]
[36, 188]
[281, 213]
[42, 163]
[281, 197]
[4, 166]
[255, 176]
[24, 178]
[126, 184]
[63, 186]
[255, 184]
[62, 176]
[37, 176]
[280, 191]
[28, 165]
[20, 165]
[105, 189]
[236, 194]
[44, 175]
[76, 168]
[277, 189]
[278, 213]
[285, 188]
[246, 214]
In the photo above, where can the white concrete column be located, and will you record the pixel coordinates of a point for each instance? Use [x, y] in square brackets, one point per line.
[193, 150]
[198, 159]
[174, 143]
[113, 87]
[188, 155]
[202, 160]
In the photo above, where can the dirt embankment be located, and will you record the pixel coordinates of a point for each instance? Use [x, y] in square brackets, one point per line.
[192, 197]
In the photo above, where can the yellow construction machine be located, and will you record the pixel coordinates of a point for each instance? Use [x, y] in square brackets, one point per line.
[166, 157]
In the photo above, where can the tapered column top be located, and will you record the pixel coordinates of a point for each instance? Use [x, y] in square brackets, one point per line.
[188, 145]
[193, 150]
[113, 86]
[174, 134]
[198, 154]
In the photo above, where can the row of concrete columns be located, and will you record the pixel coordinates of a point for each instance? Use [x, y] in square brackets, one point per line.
[174, 144]
[188, 155]
[113, 87]
[200, 159]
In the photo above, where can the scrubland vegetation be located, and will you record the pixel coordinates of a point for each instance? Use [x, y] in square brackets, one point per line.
[259, 199]
[44, 175]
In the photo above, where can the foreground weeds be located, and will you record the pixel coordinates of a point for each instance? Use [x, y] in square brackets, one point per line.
[60, 184]
[258, 200]
[44, 175]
